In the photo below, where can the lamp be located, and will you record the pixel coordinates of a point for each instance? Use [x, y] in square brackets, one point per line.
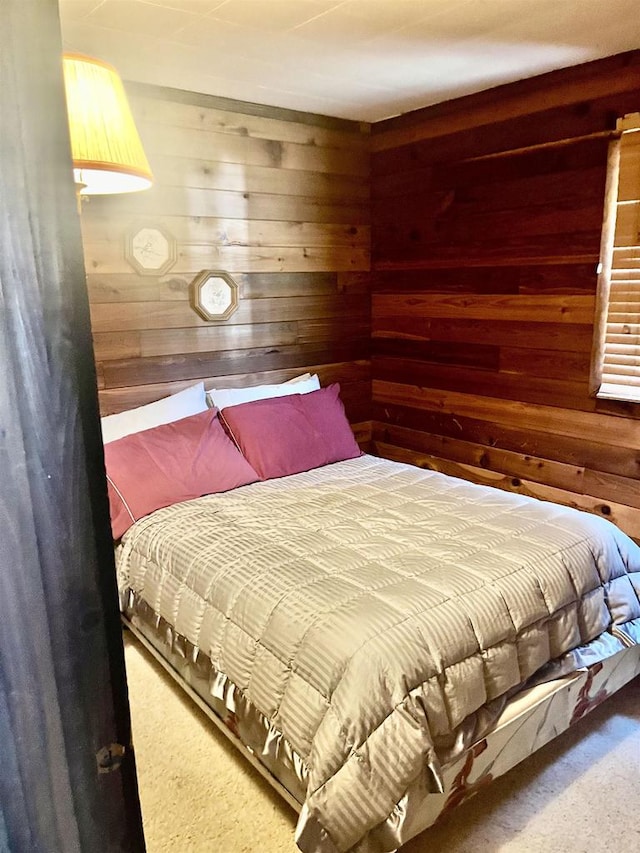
[105, 146]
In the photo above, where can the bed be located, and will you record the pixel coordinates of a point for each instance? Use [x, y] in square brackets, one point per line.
[382, 640]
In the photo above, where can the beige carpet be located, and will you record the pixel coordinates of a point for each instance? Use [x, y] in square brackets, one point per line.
[579, 794]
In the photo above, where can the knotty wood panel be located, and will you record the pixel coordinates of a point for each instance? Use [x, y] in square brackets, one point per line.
[577, 89]
[494, 331]
[193, 172]
[278, 199]
[529, 176]
[107, 258]
[178, 108]
[198, 230]
[618, 431]
[247, 205]
[489, 383]
[353, 377]
[486, 219]
[219, 148]
[554, 309]
[119, 316]
[547, 278]
[527, 441]
[136, 288]
[129, 371]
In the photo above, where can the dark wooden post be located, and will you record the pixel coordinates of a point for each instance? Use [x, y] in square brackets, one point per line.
[63, 690]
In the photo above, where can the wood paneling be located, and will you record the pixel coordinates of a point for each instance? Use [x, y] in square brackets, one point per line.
[553, 309]
[278, 199]
[577, 89]
[547, 278]
[485, 247]
[131, 371]
[225, 204]
[549, 336]
[120, 316]
[484, 222]
[577, 450]
[618, 431]
[353, 378]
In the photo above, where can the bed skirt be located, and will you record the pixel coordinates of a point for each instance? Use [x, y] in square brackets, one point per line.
[517, 728]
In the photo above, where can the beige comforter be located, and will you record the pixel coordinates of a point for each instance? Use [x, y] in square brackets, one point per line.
[368, 607]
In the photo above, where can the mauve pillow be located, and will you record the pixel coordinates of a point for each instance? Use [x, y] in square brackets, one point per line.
[169, 464]
[286, 435]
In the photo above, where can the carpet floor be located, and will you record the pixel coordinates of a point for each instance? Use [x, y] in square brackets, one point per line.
[579, 794]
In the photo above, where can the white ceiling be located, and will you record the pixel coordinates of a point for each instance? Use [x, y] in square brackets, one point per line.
[357, 59]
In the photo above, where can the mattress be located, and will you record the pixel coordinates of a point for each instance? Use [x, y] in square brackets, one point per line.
[368, 610]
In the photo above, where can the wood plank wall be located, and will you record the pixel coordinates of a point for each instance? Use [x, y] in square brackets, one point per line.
[484, 280]
[277, 198]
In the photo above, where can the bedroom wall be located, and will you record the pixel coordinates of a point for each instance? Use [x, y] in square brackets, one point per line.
[278, 199]
[484, 278]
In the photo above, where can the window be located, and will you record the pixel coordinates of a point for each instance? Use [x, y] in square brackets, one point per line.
[616, 357]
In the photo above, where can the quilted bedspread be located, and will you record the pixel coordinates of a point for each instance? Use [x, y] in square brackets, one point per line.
[367, 607]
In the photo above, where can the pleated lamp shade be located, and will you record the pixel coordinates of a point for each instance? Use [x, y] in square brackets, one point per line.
[107, 153]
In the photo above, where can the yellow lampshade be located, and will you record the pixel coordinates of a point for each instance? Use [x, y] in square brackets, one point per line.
[107, 152]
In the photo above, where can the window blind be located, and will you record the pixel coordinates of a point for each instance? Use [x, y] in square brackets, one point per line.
[618, 324]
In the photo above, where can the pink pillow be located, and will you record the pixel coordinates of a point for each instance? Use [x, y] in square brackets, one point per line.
[286, 435]
[168, 464]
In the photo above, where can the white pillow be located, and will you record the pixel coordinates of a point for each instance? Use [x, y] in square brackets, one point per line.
[191, 401]
[224, 397]
[300, 378]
